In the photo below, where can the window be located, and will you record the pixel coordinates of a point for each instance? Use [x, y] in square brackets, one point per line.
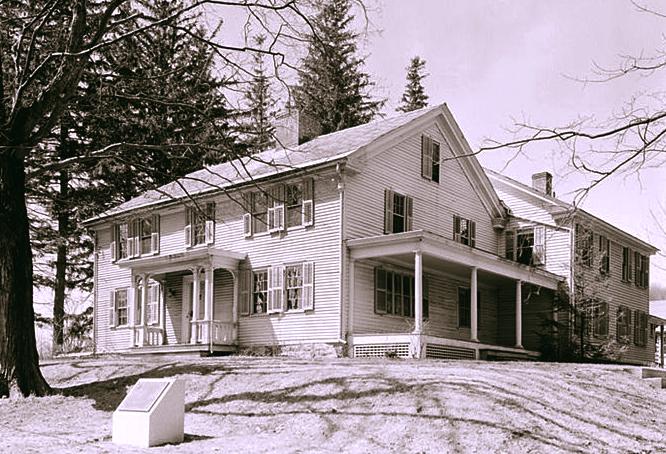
[642, 266]
[153, 305]
[294, 204]
[626, 264]
[118, 308]
[397, 212]
[584, 242]
[640, 328]
[604, 254]
[623, 324]
[136, 238]
[394, 293]
[465, 307]
[526, 246]
[599, 319]
[277, 289]
[259, 212]
[430, 158]
[464, 231]
[259, 292]
[200, 225]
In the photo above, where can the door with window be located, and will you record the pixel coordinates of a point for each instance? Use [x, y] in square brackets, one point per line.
[188, 307]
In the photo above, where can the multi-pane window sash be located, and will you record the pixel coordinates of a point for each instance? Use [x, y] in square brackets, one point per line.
[465, 307]
[526, 246]
[584, 245]
[623, 324]
[430, 157]
[604, 253]
[599, 319]
[626, 264]
[398, 212]
[118, 307]
[642, 265]
[200, 225]
[135, 238]
[640, 328]
[276, 289]
[464, 231]
[394, 293]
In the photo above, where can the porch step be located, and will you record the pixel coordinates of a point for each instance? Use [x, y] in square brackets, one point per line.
[647, 372]
[656, 382]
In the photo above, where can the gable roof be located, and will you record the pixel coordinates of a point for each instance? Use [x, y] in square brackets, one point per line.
[322, 150]
[547, 209]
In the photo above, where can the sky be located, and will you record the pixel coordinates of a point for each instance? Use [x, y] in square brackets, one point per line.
[495, 62]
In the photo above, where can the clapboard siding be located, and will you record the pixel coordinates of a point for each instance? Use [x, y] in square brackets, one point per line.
[443, 307]
[537, 307]
[524, 205]
[399, 168]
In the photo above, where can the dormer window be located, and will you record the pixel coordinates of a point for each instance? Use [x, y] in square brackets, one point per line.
[430, 158]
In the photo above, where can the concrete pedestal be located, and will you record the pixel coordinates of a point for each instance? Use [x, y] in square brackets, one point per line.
[152, 413]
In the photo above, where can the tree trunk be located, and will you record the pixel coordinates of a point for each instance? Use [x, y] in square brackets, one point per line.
[19, 360]
[61, 208]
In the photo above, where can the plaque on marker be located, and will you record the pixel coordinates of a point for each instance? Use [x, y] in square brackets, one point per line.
[143, 396]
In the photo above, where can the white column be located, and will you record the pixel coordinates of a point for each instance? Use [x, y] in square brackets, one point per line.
[661, 346]
[208, 303]
[195, 303]
[144, 302]
[234, 307]
[519, 314]
[418, 292]
[131, 310]
[474, 322]
[351, 296]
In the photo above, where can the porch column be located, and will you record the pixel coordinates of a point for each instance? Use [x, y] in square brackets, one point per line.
[195, 304]
[208, 302]
[519, 314]
[234, 307]
[131, 310]
[351, 296]
[144, 300]
[661, 345]
[418, 292]
[474, 322]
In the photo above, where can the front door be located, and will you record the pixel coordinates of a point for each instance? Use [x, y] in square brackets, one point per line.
[188, 293]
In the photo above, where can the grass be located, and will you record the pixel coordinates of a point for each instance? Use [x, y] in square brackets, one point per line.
[238, 404]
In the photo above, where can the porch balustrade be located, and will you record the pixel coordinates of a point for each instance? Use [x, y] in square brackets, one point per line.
[220, 332]
[148, 336]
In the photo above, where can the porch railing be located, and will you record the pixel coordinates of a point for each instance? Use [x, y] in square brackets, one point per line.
[148, 335]
[221, 332]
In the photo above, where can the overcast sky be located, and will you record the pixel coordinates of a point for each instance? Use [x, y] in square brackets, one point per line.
[494, 61]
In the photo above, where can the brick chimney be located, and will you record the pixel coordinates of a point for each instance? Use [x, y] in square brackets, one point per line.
[543, 182]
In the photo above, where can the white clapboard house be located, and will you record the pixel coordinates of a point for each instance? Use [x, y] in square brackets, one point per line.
[385, 238]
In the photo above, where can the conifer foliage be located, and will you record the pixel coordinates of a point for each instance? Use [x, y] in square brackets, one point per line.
[414, 96]
[261, 104]
[333, 91]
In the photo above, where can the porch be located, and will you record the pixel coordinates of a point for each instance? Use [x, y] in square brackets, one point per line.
[184, 302]
[465, 303]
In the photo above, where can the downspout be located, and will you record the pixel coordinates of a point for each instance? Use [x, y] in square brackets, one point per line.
[339, 170]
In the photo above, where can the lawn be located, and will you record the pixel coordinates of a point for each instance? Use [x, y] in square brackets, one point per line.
[242, 404]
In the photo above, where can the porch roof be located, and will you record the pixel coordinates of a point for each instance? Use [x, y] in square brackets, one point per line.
[446, 250]
[205, 256]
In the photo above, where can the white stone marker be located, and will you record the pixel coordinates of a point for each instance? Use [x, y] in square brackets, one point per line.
[152, 413]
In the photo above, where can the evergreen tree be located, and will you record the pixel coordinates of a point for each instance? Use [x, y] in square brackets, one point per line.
[333, 89]
[261, 104]
[414, 96]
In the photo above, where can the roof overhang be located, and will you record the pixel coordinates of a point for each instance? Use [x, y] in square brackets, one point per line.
[446, 250]
[203, 257]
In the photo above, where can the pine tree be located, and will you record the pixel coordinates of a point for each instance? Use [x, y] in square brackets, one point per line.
[260, 129]
[414, 96]
[333, 89]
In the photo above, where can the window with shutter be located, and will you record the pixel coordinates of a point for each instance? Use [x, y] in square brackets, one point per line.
[398, 212]
[209, 235]
[600, 320]
[430, 157]
[623, 324]
[120, 307]
[131, 245]
[155, 235]
[260, 210]
[308, 202]
[394, 293]
[525, 246]
[464, 231]
[626, 264]
[245, 291]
